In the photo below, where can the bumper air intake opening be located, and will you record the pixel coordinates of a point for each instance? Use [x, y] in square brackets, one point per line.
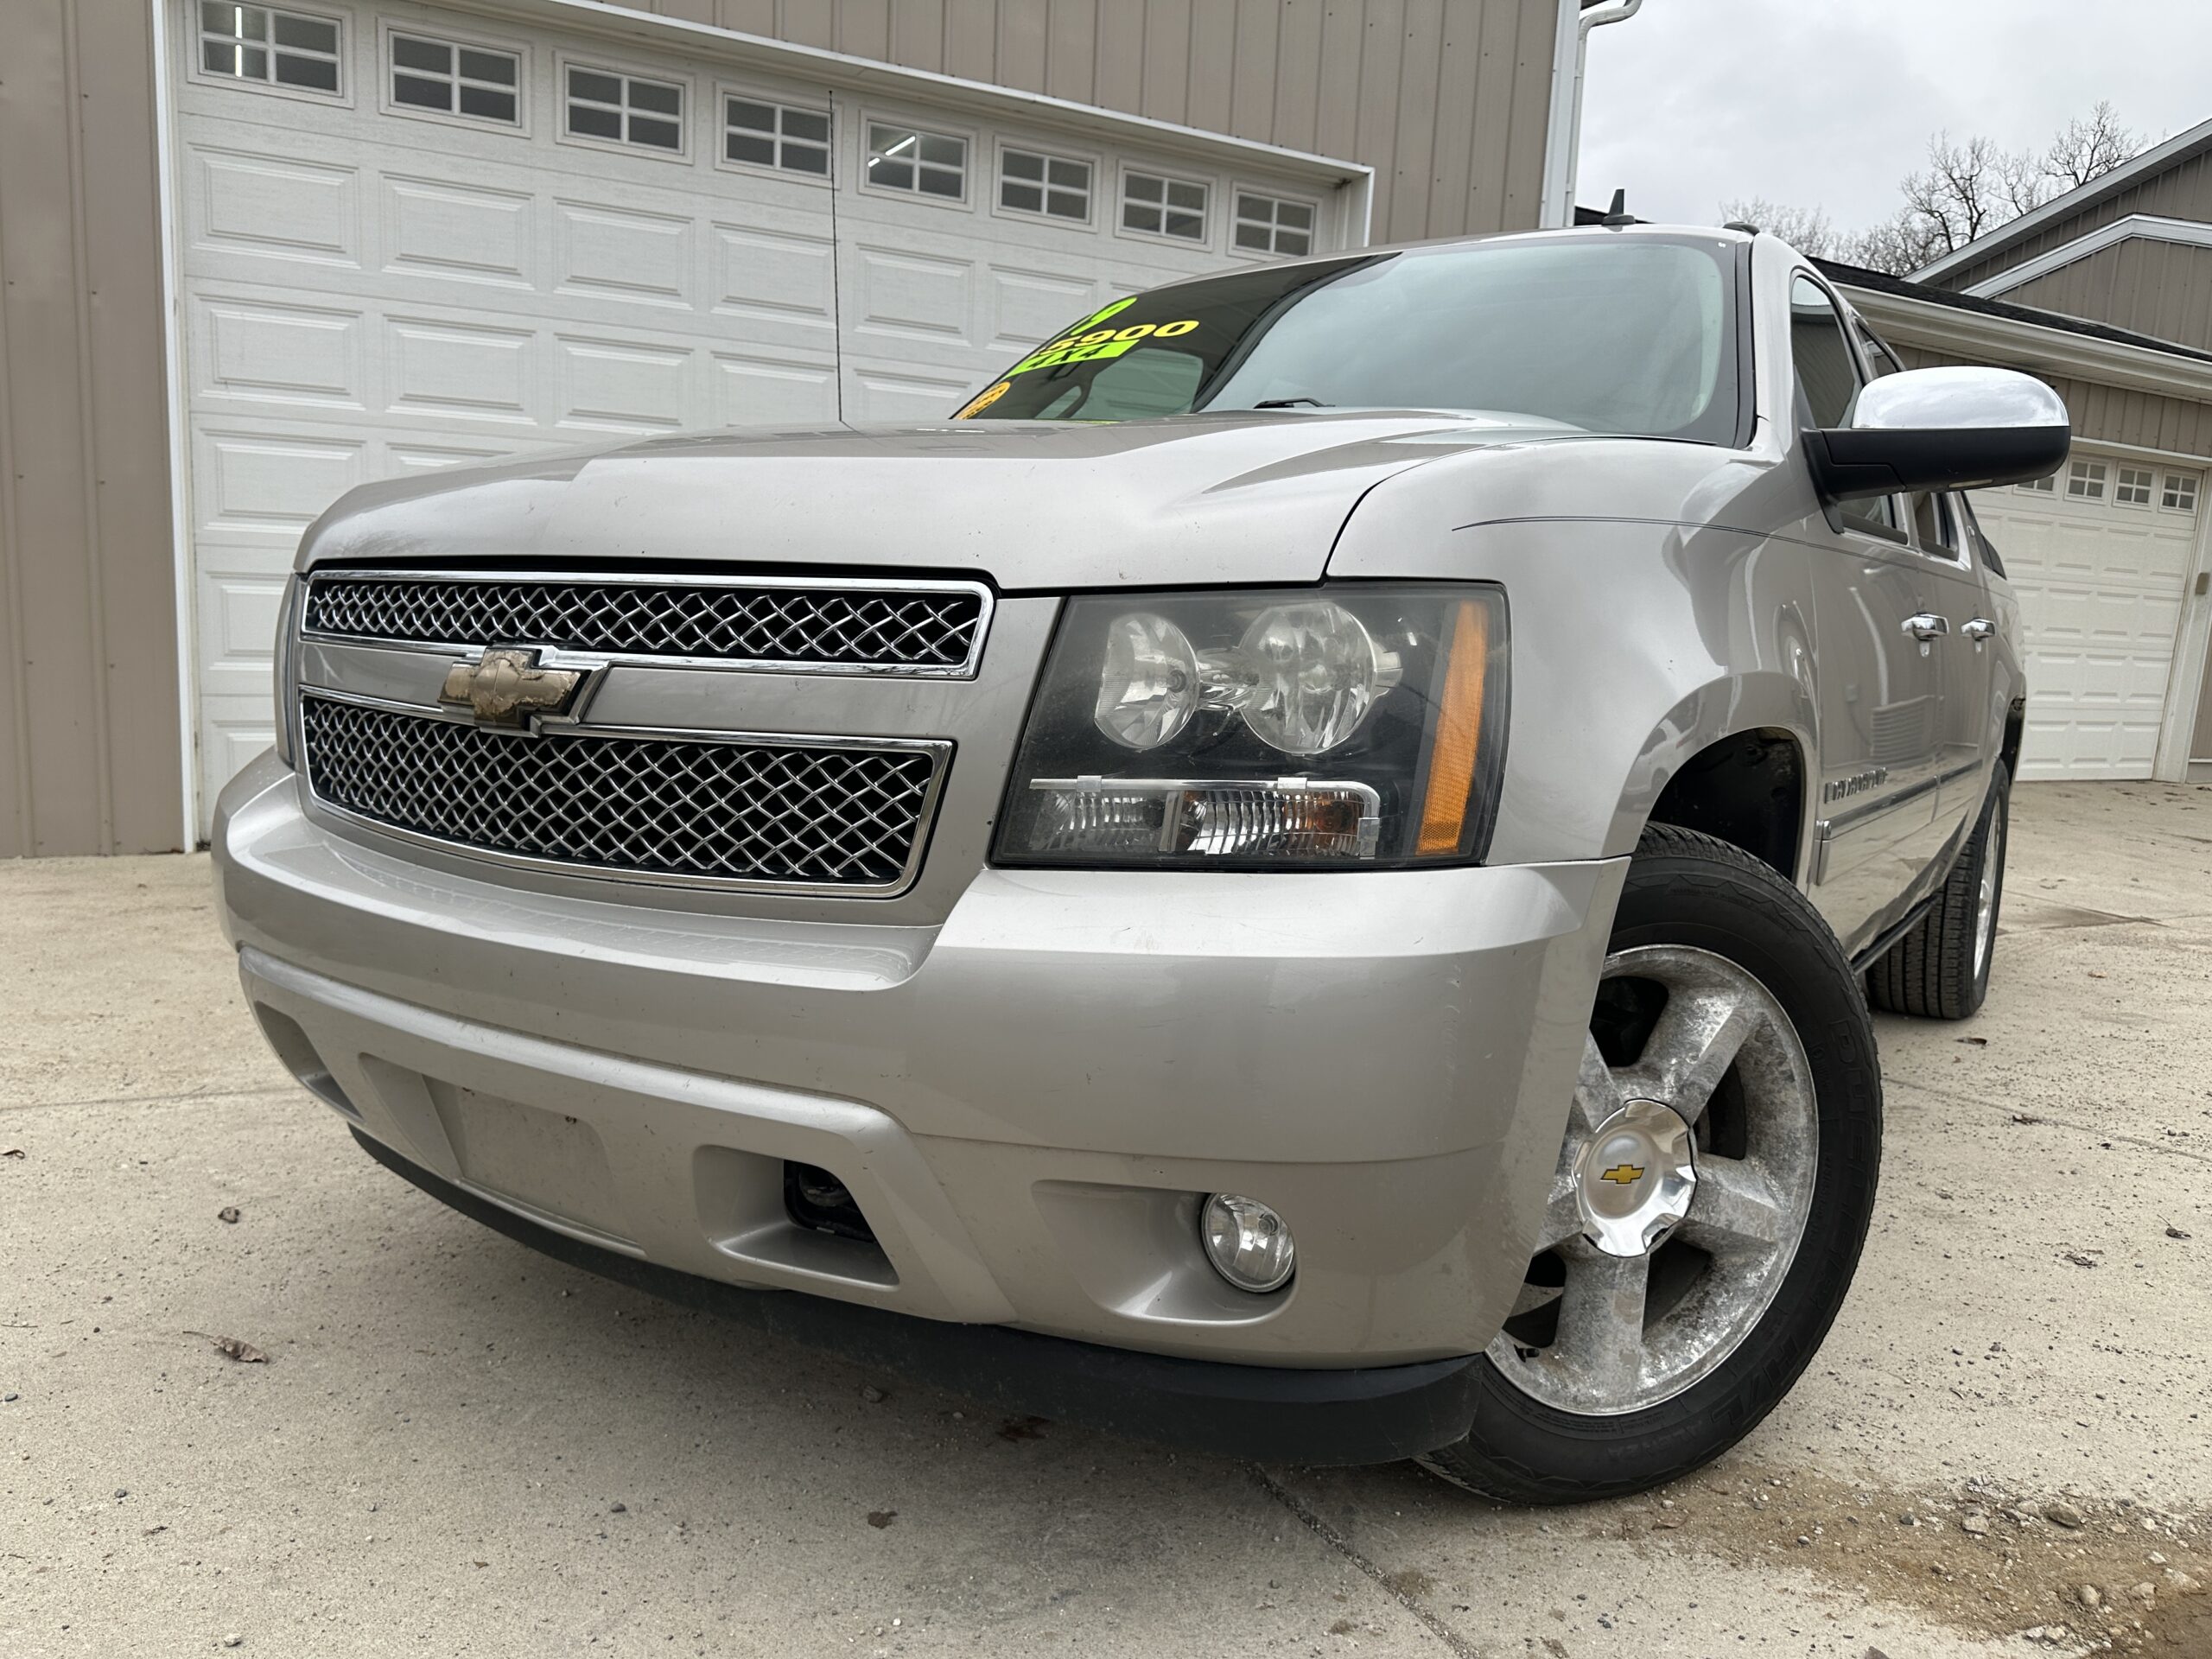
[783, 1214]
[301, 1058]
[817, 1201]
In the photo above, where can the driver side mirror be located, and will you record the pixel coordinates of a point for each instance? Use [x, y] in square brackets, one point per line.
[1950, 429]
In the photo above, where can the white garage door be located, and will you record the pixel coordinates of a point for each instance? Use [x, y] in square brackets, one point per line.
[417, 239]
[2099, 556]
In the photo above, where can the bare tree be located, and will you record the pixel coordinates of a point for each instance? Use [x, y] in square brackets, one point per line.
[1899, 245]
[2086, 151]
[1966, 191]
[1963, 191]
[1806, 229]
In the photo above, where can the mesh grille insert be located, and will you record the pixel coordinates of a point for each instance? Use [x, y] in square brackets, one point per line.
[815, 814]
[803, 628]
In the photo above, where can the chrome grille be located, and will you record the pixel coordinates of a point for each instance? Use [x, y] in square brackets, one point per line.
[798, 626]
[771, 814]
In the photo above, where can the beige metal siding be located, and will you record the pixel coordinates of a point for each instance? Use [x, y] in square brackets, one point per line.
[2181, 191]
[2159, 289]
[88, 686]
[1447, 99]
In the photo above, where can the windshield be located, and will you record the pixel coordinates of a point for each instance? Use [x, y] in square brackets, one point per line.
[1619, 336]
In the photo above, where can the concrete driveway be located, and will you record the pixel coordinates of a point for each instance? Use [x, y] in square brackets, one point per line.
[458, 1446]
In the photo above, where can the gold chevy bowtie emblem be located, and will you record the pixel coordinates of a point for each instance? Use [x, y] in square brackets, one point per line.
[1624, 1174]
[508, 687]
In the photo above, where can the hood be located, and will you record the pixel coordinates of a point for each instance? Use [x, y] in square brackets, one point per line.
[1244, 497]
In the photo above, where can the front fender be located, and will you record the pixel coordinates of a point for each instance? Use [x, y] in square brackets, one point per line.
[1635, 644]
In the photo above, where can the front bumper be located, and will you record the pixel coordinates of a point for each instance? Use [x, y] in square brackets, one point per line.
[1269, 1414]
[1026, 1101]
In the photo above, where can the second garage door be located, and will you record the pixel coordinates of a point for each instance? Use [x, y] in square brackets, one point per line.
[2100, 556]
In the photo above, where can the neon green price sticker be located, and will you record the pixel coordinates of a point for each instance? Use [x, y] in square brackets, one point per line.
[1087, 344]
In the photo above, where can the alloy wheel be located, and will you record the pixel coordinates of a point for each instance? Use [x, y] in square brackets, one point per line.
[1681, 1191]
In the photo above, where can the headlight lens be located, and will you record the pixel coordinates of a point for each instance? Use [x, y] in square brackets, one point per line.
[1346, 727]
[1148, 689]
[1315, 672]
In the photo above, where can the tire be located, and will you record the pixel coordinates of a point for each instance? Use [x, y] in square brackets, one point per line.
[1941, 970]
[1806, 1084]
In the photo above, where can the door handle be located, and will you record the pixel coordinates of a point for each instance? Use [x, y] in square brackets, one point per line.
[1981, 630]
[1925, 626]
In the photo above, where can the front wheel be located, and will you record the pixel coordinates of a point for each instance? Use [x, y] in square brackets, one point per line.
[1710, 1198]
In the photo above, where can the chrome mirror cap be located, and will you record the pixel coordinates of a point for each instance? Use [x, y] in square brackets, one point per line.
[1957, 399]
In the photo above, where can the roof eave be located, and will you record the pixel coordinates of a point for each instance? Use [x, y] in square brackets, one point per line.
[2014, 342]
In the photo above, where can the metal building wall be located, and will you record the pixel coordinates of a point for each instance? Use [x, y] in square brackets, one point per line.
[2148, 287]
[1447, 99]
[88, 673]
[2182, 190]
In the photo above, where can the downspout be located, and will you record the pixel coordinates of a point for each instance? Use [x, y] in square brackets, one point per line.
[1563, 136]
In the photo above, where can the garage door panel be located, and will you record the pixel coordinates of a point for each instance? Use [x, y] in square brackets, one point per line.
[606, 252]
[784, 277]
[752, 390]
[622, 387]
[256, 484]
[246, 351]
[460, 371]
[2101, 590]
[439, 231]
[265, 208]
[1027, 308]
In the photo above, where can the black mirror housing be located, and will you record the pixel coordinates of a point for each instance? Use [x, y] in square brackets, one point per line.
[1851, 464]
[1948, 428]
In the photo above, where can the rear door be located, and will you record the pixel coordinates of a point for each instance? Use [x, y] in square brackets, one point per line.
[1956, 590]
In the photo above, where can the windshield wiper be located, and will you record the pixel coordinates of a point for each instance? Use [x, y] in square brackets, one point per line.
[1292, 403]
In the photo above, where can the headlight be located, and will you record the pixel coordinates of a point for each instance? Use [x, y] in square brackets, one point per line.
[1350, 726]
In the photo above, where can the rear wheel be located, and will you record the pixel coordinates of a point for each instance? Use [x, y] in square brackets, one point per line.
[1941, 970]
[1711, 1196]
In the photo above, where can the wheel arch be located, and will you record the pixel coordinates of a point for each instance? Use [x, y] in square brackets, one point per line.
[1735, 760]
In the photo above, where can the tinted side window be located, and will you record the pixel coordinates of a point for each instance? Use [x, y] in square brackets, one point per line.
[1827, 377]
[1932, 525]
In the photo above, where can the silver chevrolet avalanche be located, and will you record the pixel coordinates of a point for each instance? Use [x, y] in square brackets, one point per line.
[1303, 876]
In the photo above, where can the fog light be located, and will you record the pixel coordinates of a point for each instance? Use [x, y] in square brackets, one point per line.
[1247, 1242]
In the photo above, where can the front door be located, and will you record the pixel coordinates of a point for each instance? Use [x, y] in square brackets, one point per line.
[1882, 618]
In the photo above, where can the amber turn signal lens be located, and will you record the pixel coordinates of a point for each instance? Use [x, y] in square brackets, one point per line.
[1459, 732]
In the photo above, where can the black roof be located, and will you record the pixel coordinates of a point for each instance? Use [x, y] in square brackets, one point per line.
[1845, 276]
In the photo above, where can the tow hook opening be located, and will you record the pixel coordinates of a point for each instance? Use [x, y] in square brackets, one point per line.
[818, 1202]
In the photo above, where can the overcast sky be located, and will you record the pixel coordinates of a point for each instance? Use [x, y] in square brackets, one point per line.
[1829, 103]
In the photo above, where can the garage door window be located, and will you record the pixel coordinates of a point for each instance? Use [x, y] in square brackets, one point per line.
[1164, 206]
[446, 77]
[278, 48]
[1054, 186]
[2085, 480]
[1268, 225]
[914, 163]
[625, 109]
[2180, 492]
[2046, 485]
[760, 133]
[2132, 488]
